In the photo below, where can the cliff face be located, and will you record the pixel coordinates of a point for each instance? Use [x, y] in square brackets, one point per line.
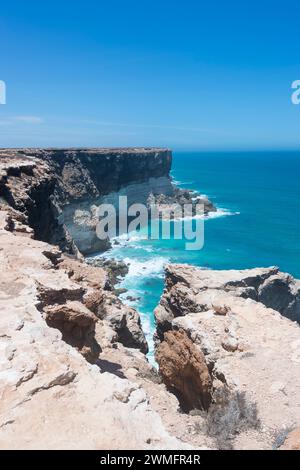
[27, 185]
[86, 174]
[61, 189]
[58, 189]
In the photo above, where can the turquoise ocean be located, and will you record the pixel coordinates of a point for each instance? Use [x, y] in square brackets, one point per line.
[257, 223]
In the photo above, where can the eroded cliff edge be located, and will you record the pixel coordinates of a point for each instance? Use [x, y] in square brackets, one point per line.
[59, 188]
[73, 354]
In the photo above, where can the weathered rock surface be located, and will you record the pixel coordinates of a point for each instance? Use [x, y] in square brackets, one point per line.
[124, 321]
[58, 189]
[51, 397]
[183, 367]
[252, 352]
[130, 363]
[192, 290]
[115, 269]
[180, 200]
[28, 185]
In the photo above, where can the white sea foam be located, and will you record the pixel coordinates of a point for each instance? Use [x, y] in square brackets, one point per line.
[184, 183]
[198, 195]
[180, 183]
[147, 249]
[153, 267]
[126, 238]
[176, 182]
[211, 215]
[221, 212]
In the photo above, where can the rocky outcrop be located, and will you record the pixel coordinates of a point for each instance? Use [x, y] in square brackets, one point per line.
[180, 200]
[86, 173]
[115, 269]
[103, 303]
[192, 290]
[124, 321]
[27, 185]
[251, 351]
[50, 323]
[183, 367]
[77, 324]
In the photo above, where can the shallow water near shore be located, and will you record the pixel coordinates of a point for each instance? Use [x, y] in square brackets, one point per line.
[257, 224]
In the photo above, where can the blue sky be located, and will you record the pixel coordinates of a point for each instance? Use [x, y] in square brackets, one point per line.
[181, 74]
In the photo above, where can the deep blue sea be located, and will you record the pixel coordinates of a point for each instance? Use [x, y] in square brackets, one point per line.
[257, 224]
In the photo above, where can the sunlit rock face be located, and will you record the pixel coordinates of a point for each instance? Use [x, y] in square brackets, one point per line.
[60, 189]
[89, 178]
[81, 217]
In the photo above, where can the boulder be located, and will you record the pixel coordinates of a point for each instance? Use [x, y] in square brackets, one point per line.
[183, 368]
[124, 320]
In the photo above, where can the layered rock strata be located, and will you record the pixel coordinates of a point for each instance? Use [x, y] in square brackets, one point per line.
[60, 189]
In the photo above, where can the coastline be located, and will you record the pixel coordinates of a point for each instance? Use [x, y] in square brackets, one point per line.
[69, 340]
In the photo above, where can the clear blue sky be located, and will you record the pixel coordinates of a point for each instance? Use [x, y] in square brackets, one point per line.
[182, 74]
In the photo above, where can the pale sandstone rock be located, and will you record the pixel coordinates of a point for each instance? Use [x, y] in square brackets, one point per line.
[195, 290]
[77, 325]
[51, 397]
[248, 350]
[118, 318]
[130, 363]
[85, 274]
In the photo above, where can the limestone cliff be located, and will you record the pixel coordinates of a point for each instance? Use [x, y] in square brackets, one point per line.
[60, 189]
